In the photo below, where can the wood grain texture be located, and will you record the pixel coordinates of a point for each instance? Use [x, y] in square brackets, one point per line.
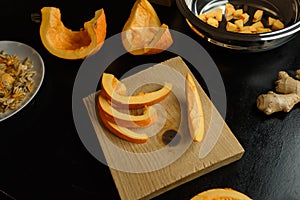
[143, 171]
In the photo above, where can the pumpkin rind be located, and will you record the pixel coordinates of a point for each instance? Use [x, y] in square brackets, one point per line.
[68, 44]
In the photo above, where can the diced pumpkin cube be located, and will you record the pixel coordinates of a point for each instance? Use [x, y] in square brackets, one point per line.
[237, 13]
[211, 14]
[277, 25]
[239, 23]
[231, 27]
[257, 15]
[219, 14]
[229, 10]
[248, 29]
[258, 24]
[202, 17]
[213, 22]
[244, 17]
[253, 29]
[271, 21]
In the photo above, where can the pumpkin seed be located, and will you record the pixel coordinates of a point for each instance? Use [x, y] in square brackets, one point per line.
[16, 80]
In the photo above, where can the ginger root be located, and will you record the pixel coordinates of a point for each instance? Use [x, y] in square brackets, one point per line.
[298, 74]
[287, 96]
[273, 102]
[286, 84]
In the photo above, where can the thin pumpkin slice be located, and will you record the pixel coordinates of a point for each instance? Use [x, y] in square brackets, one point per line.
[194, 110]
[123, 119]
[221, 194]
[119, 87]
[143, 33]
[68, 44]
[133, 101]
[123, 132]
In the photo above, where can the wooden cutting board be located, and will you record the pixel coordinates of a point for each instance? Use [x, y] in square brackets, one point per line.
[143, 171]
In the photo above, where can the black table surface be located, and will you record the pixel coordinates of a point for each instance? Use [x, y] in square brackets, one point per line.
[42, 156]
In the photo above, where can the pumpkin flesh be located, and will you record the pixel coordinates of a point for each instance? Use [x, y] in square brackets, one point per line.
[66, 43]
[143, 33]
[221, 194]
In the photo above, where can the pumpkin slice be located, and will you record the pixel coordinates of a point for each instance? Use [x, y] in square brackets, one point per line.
[124, 119]
[119, 87]
[124, 132]
[194, 110]
[134, 101]
[143, 33]
[220, 194]
[68, 44]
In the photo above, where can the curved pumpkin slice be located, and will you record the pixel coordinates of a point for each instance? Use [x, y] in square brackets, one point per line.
[137, 101]
[220, 193]
[124, 119]
[194, 109]
[124, 132]
[65, 43]
[143, 32]
[119, 87]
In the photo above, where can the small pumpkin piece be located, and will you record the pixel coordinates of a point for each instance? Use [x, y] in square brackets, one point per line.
[270, 21]
[213, 22]
[231, 27]
[245, 29]
[211, 14]
[239, 23]
[237, 13]
[229, 10]
[257, 15]
[245, 17]
[277, 25]
[219, 14]
[257, 25]
[202, 17]
[68, 44]
[221, 194]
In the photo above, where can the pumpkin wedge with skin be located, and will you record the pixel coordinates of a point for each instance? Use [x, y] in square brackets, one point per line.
[123, 119]
[221, 194]
[143, 33]
[68, 44]
[124, 132]
[134, 101]
[194, 110]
